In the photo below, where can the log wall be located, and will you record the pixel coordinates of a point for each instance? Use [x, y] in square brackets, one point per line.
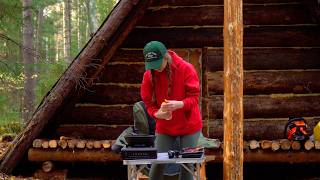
[281, 67]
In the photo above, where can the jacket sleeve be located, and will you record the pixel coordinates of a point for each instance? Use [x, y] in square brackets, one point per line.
[146, 95]
[192, 88]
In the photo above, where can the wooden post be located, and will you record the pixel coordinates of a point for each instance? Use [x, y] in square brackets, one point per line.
[233, 90]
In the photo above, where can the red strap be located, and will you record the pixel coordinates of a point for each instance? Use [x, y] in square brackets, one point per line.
[291, 132]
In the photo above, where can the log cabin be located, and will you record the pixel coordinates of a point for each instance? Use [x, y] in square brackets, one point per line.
[281, 62]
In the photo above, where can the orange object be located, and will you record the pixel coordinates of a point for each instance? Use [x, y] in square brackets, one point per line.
[165, 101]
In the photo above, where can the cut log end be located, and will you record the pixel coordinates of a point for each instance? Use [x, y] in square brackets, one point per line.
[265, 144]
[97, 144]
[47, 166]
[72, 143]
[317, 145]
[275, 145]
[308, 145]
[253, 144]
[53, 144]
[285, 144]
[296, 145]
[45, 144]
[37, 143]
[106, 144]
[89, 144]
[81, 144]
[63, 143]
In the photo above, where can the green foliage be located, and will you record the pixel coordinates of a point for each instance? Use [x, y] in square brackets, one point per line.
[11, 128]
[49, 78]
[50, 52]
[104, 8]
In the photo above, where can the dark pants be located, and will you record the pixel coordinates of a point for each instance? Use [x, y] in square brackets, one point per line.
[163, 144]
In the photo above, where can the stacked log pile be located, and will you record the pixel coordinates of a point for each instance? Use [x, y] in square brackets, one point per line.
[71, 143]
[71, 150]
[281, 144]
[274, 151]
[67, 142]
[75, 150]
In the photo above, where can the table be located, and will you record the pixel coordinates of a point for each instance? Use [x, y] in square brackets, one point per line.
[162, 158]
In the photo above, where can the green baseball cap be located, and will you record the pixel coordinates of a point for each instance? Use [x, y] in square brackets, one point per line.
[153, 53]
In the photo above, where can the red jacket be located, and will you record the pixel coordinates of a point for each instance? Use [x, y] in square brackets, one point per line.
[185, 87]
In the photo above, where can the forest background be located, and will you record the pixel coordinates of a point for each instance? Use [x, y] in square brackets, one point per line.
[38, 40]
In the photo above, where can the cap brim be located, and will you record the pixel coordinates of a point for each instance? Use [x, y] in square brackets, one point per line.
[154, 64]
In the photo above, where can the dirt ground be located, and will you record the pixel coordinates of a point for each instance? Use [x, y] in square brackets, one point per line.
[5, 142]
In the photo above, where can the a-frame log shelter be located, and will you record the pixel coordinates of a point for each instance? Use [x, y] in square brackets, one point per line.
[281, 48]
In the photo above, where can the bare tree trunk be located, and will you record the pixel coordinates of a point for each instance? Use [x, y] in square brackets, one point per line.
[27, 54]
[92, 16]
[67, 30]
[78, 6]
[39, 41]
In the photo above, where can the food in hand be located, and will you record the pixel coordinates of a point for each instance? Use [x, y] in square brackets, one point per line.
[165, 102]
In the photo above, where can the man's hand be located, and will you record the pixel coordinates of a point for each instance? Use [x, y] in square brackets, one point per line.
[171, 105]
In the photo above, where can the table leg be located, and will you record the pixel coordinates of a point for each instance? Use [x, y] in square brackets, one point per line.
[132, 172]
[197, 175]
[198, 171]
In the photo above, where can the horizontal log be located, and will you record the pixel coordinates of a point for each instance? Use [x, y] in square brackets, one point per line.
[185, 2]
[124, 73]
[263, 14]
[270, 106]
[112, 94]
[212, 156]
[54, 174]
[254, 36]
[133, 72]
[254, 59]
[265, 156]
[267, 58]
[210, 2]
[282, 36]
[97, 114]
[270, 82]
[91, 131]
[136, 55]
[128, 55]
[183, 16]
[259, 129]
[92, 155]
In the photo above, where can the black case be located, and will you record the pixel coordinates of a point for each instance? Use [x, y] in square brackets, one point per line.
[140, 140]
[192, 152]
